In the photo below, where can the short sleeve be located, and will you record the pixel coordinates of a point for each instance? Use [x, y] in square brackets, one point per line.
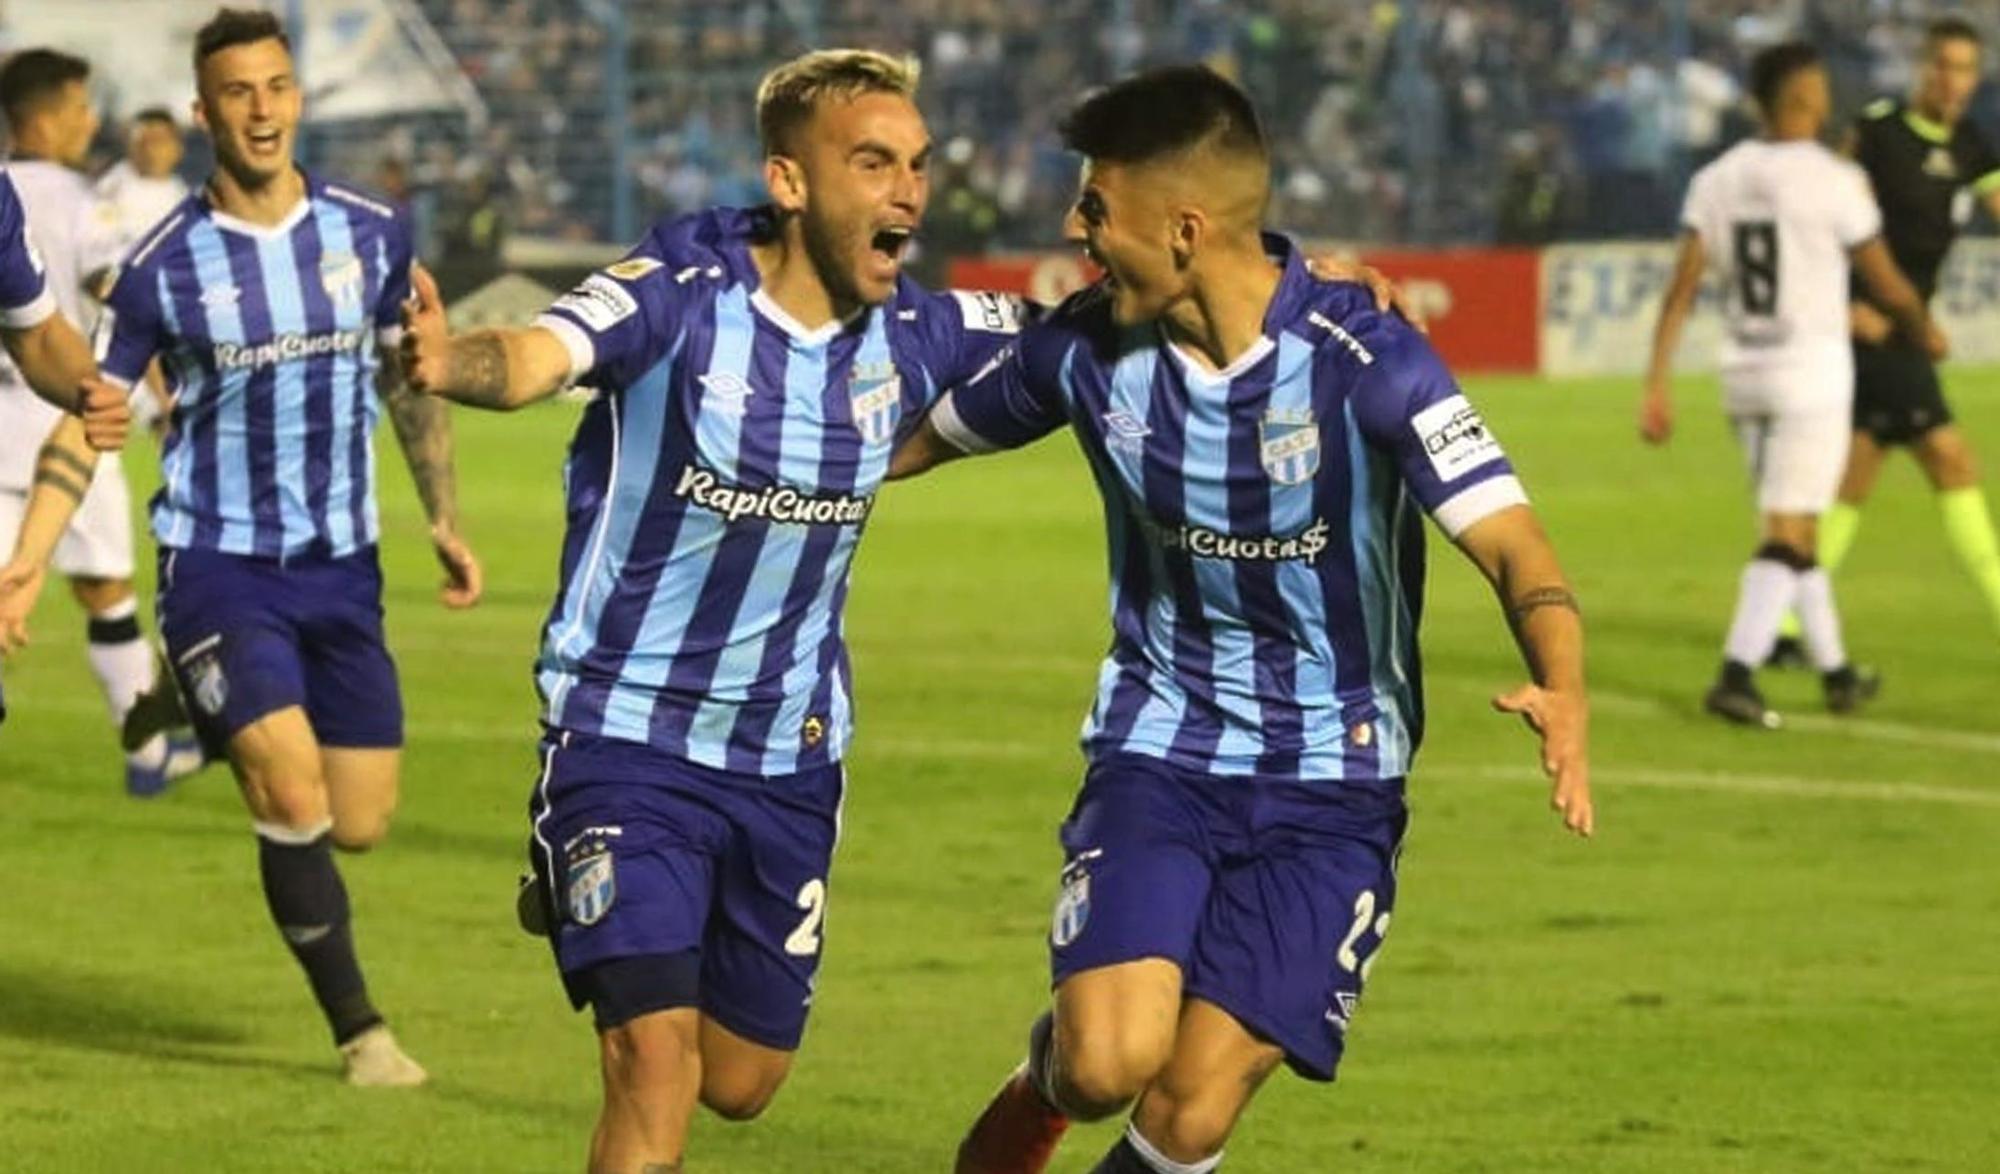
[969, 328]
[1408, 405]
[620, 319]
[25, 298]
[1695, 214]
[397, 255]
[128, 329]
[1857, 218]
[1016, 399]
[1981, 164]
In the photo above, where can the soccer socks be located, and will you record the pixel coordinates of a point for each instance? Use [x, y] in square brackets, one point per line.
[1770, 585]
[1968, 526]
[1837, 529]
[124, 668]
[1820, 620]
[1135, 1155]
[308, 902]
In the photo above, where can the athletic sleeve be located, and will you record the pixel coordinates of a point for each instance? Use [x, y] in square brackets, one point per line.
[1015, 400]
[398, 253]
[1695, 211]
[621, 319]
[1408, 405]
[1980, 163]
[967, 329]
[129, 329]
[1856, 217]
[25, 298]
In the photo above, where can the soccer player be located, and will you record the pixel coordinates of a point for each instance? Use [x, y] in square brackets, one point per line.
[142, 188]
[1781, 217]
[267, 298]
[1266, 447]
[1928, 164]
[46, 98]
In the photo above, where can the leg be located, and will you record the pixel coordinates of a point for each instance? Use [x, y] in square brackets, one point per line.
[354, 701]
[1188, 1113]
[1947, 459]
[739, 1076]
[1114, 1031]
[652, 1071]
[361, 787]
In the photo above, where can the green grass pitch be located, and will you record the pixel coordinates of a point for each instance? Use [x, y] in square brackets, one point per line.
[1780, 953]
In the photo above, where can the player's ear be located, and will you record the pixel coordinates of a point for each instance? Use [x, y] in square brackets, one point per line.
[786, 181]
[199, 114]
[1187, 228]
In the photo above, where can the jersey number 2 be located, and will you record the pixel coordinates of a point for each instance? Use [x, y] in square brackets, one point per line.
[1757, 267]
[804, 942]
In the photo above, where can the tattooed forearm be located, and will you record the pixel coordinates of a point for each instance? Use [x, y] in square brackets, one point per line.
[64, 471]
[476, 371]
[423, 428]
[1541, 597]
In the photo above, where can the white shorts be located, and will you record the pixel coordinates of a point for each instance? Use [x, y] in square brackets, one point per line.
[98, 543]
[1796, 458]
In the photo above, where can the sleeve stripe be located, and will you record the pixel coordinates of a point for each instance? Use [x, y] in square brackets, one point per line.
[1987, 184]
[582, 352]
[36, 312]
[953, 428]
[1474, 505]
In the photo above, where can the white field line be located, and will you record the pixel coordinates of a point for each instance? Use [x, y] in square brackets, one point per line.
[1722, 780]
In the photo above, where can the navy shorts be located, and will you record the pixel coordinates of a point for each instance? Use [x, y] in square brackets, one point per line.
[645, 853]
[1271, 895]
[247, 637]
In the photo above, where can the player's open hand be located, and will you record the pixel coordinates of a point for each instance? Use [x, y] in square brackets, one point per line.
[20, 586]
[426, 345]
[106, 410]
[464, 581]
[1388, 295]
[1656, 416]
[1563, 721]
[1936, 345]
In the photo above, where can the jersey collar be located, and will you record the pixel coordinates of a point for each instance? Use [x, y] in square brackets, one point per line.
[1927, 129]
[283, 227]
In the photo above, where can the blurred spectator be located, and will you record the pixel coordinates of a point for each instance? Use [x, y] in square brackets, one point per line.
[144, 186]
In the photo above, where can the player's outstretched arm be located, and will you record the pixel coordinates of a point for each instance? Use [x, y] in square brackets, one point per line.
[63, 471]
[1512, 550]
[923, 450]
[499, 370]
[1885, 280]
[58, 365]
[1656, 409]
[423, 429]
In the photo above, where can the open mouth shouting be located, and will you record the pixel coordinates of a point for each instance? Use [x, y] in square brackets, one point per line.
[886, 248]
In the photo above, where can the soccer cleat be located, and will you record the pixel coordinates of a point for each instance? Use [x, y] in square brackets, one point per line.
[1741, 704]
[1017, 1134]
[1848, 688]
[184, 754]
[156, 711]
[373, 1059]
[1788, 653]
[143, 781]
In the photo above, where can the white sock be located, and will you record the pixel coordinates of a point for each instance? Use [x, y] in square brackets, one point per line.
[1819, 620]
[1161, 1162]
[1769, 588]
[119, 656]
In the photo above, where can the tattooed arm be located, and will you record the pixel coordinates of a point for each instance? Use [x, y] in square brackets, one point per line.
[423, 428]
[499, 370]
[63, 470]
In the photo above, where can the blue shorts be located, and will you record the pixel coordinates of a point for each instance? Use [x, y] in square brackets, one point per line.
[1271, 895]
[247, 637]
[648, 854]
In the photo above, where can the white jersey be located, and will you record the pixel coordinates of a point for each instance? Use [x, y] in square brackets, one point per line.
[138, 203]
[1778, 221]
[75, 238]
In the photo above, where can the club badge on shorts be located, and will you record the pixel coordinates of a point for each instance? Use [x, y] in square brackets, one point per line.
[1073, 903]
[1288, 443]
[201, 669]
[590, 880]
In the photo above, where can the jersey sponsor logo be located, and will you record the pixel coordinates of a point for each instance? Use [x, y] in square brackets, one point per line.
[286, 348]
[1306, 546]
[1072, 911]
[1341, 336]
[693, 271]
[633, 268]
[992, 313]
[876, 397]
[1455, 437]
[1288, 445]
[340, 277]
[599, 303]
[724, 392]
[772, 503]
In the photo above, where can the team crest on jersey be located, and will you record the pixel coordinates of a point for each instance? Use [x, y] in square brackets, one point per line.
[1939, 164]
[1288, 442]
[876, 395]
[1073, 903]
[591, 880]
[340, 276]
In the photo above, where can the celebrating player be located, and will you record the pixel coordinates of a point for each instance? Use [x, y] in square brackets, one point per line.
[46, 98]
[264, 298]
[1781, 217]
[1264, 444]
[1927, 163]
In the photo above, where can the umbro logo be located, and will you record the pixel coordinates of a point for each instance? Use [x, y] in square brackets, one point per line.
[221, 295]
[1125, 431]
[727, 392]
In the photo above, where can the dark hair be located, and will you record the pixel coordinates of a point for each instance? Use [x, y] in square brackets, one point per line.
[1161, 113]
[159, 114]
[34, 76]
[230, 27]
[1773, 67]
[1952, 28]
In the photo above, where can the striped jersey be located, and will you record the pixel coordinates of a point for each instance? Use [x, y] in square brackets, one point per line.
[25, 300]
[1264, 524]
[717, 488]
[269, 339]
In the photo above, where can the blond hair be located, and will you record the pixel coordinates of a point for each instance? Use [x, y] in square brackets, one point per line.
[790, 93]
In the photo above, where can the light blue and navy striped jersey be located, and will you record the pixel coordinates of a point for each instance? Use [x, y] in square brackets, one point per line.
[25, 299]
[269, 340]
[1266, 542]
[717, 489]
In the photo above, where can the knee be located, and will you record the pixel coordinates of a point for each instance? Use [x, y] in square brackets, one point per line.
[1099, 1071]
[741, 1092]
[1188, 1129]
[639, 1058]
[291, 799]
[360, 833]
